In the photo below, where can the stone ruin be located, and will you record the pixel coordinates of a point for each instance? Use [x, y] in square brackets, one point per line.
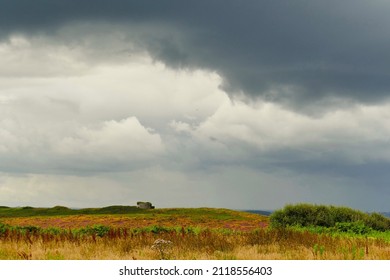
[144, 205]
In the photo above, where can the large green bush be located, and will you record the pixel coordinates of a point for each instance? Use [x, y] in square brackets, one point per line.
[326, 216]
[357, 227]
[377, 221]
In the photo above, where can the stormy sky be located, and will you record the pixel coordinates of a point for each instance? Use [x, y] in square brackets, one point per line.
[235, 104]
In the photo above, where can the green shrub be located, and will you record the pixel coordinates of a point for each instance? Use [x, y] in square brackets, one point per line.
[345, 214]
[3, 229]
[307, 215]
[98, 230]
[357, 227]
[377, 222]
[159, 229]
[302, 215]
[28, 229]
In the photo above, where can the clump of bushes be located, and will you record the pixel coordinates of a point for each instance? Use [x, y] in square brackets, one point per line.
[98, 230]
[60, 208]
[306, 215]
[21, 229]
[357, 227]
[3, 228]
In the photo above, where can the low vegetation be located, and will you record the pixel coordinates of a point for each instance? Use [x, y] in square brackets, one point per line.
[203, 233]
[336, 218]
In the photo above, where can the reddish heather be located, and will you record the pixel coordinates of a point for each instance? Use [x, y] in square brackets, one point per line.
[123, 221]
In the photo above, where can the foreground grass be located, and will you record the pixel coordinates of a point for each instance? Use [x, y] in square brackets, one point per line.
[102, 242]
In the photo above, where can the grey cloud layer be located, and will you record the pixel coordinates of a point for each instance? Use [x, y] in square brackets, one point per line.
[293, 52]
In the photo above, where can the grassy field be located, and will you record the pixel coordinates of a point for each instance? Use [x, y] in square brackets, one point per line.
[131, 218]
[122, 232]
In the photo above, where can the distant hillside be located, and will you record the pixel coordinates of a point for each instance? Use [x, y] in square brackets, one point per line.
[260, 212]
[269, 212]
[28, 211]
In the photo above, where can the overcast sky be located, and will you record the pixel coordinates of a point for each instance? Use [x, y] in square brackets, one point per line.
[234, 104]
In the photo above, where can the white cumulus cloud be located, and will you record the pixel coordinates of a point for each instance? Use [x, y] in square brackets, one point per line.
[124, 139]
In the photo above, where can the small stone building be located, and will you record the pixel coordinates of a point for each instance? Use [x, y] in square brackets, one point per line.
[144, 205]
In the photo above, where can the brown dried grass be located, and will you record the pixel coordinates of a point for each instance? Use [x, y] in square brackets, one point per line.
[208, 244]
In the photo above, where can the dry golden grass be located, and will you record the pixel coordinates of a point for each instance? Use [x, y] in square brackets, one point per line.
[208, 245]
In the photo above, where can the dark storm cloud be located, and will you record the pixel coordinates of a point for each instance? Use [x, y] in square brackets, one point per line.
[286, 51]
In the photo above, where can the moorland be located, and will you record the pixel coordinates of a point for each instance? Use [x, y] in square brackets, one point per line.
[296, 232]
